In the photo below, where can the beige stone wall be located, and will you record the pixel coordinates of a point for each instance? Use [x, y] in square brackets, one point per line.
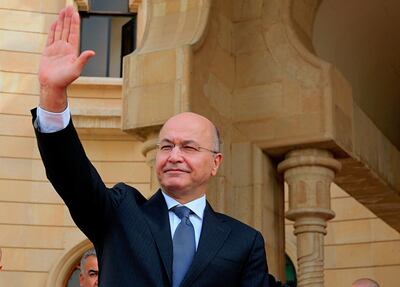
[35, 226]
[358, 244]
[248, 187]
[28, 207]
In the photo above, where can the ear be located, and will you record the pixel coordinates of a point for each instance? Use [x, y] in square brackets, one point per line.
[216, 163]
[81, 279]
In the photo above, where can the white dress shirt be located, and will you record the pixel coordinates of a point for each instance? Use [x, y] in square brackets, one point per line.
[49, 122]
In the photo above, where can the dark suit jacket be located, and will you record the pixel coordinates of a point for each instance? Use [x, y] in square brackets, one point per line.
[132, 235]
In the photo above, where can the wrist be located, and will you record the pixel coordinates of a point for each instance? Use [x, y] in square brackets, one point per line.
[53, 99]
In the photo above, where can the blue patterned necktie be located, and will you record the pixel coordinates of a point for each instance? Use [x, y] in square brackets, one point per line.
[184, 245]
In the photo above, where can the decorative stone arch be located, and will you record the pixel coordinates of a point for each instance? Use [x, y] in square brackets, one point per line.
[65, 263]
[290, 42]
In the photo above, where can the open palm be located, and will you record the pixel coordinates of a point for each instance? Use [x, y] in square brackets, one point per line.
[60, 63]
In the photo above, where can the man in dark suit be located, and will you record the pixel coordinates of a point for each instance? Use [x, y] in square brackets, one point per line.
[172, 239]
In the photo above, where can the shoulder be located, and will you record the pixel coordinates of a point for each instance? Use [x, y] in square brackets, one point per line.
[243, 240]
[121, 191]
[237, 227]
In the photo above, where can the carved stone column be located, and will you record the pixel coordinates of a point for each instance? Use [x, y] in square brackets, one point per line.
[309, 174]
[149, 150]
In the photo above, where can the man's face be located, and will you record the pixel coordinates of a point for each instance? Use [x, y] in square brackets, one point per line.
[185, 176]
[89, 273]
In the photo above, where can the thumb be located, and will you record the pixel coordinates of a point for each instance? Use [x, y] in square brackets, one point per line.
[83, 59]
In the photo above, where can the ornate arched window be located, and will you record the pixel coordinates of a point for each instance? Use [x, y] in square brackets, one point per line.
[65, 268]
[72, 278]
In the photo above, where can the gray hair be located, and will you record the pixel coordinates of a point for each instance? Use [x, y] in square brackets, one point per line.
[370, 282]
[217, 139]
[90, 252]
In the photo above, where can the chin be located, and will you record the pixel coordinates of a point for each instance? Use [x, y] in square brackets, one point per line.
[173, 186]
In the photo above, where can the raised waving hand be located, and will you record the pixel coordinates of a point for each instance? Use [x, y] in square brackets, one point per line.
[61, 63]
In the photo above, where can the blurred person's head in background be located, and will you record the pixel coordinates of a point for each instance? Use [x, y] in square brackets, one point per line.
[89, 269]
[365, 282]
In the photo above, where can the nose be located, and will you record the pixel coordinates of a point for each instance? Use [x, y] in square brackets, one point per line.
[175, 155]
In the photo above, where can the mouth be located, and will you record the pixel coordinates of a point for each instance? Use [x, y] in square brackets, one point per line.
[175, 170]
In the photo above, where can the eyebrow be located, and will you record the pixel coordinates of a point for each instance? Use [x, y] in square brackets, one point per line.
[183, 142]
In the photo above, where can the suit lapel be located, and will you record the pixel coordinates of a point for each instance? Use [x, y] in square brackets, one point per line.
[156, 212]
[213, 235]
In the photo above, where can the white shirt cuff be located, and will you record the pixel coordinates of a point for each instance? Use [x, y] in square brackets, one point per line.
[49, 122]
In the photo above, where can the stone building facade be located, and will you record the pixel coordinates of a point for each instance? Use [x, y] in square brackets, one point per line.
[304, 92]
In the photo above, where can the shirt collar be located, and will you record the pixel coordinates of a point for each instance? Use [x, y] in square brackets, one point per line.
[197, 206]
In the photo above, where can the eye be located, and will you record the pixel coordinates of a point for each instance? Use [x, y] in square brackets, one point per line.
[188, 148]
[93, 274]
[166, 147]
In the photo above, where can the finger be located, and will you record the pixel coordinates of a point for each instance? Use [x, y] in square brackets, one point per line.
[74, 31]
[83, 59]
[67, 23]
[50, 37]
[59, 27]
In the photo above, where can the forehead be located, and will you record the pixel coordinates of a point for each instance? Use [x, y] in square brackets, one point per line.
[187, 128]
[91, 262]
